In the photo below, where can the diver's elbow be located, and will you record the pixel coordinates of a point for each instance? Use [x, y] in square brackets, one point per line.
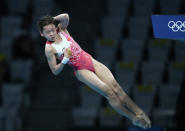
[55, 72]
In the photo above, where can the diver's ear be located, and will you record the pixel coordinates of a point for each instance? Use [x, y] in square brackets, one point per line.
[41, 34]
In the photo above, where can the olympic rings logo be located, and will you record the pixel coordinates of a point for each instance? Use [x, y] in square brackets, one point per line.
[177, 26]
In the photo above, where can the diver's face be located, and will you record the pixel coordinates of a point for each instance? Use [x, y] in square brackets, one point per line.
[49, 32]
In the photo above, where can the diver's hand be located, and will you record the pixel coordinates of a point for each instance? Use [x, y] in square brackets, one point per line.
[67, 53]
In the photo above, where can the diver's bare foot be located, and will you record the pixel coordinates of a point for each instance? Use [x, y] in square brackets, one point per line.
[142, 121]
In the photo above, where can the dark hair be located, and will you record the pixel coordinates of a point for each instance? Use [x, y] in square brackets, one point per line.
[46, 20]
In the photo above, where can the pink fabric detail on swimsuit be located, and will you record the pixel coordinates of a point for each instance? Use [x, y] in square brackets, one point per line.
[85, 62]
[75, 48]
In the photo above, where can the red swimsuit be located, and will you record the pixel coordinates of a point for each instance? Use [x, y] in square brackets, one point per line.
[79, 59]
